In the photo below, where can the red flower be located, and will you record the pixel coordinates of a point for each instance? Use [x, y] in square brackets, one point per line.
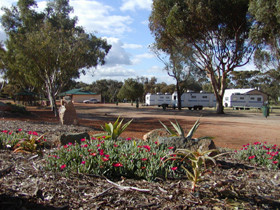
[156, 142]
[63, 166]
[144, 159]
[107, 156]
[101, 151]
[105, 159]
[117, 164]
[147, 147]
[252, 157]
[102, 142]
[65, 146]
[115, 145]
[70, 144]
[174, 168]
[98, 145]
[128, 139]
[170, 147]
[143, 167]
[35, 133]
[20, 130]
[83, 162]
[139, 146]
[85, 145]
[83, 139]
[93, 154]
[104, 137]
[275, 162]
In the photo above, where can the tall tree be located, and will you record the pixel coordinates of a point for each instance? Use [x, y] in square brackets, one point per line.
[266, 32]
[48, 48]
[216, 31]
[131, 90]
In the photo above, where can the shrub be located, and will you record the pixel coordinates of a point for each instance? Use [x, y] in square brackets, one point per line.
[20, 141]
[261, 154]
[113, 159]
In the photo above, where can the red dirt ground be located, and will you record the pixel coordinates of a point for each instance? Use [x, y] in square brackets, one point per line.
[231, 130]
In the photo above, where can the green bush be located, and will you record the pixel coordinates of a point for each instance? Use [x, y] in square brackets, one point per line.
[113, 159]
[261, 154]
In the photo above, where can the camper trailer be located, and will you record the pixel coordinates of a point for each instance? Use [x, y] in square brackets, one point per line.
[243, 98]
[237, 100]
[158, 99]
[195, 101]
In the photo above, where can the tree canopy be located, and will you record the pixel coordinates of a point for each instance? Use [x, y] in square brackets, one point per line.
[131, 90]
[48, 47]
[216, 31]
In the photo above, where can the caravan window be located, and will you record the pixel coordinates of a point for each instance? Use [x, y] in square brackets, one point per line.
[193, 96]
[174, 98]
[241, 98]
[226, 98]
[252, 98]
[204, 96]
[259, 99]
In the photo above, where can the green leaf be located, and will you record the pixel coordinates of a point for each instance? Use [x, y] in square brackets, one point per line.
[171, 132]
[193, 129]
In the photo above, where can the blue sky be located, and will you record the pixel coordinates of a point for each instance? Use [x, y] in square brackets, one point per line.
[124, 23]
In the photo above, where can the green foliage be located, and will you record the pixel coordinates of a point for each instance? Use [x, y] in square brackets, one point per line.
[20, 141]
[47, 49]
[260, 154]
[216, 31]
[31, 145]
[113, 131]
[113, 159]
[179, 130]
[198, 160]
[131, 90]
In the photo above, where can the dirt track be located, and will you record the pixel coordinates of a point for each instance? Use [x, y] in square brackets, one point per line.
[232, 130]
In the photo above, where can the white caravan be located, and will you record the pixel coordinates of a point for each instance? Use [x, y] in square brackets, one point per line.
[158, 99]
[194, 100]
[238, 100]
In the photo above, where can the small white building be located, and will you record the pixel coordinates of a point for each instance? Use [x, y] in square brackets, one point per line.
[244, 98]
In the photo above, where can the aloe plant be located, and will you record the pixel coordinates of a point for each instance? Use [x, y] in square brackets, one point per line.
[179, 130]
[113, 131]
[197, 158]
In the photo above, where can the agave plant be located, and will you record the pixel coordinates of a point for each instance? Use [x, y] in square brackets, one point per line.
[179, 130]
[113, 131]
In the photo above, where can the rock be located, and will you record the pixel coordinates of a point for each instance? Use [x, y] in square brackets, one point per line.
[73, 137]
[154, 134]
[182, 143]
[67, 113]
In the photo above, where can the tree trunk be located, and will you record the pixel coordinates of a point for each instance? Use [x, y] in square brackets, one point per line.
[219, 105]
[178, 95]
[52, 100]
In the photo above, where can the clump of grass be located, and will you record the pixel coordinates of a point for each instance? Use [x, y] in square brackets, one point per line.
[260, 154]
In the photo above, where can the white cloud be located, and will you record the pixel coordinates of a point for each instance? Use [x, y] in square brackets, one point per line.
[136, 4]
[139, 58]
[98, 17]
[118, 72]
[132, 46]
[117, 55]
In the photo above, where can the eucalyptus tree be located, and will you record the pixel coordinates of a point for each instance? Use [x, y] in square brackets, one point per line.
[131, 90]
[216, 31]
[266, 32]
[48, 47]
